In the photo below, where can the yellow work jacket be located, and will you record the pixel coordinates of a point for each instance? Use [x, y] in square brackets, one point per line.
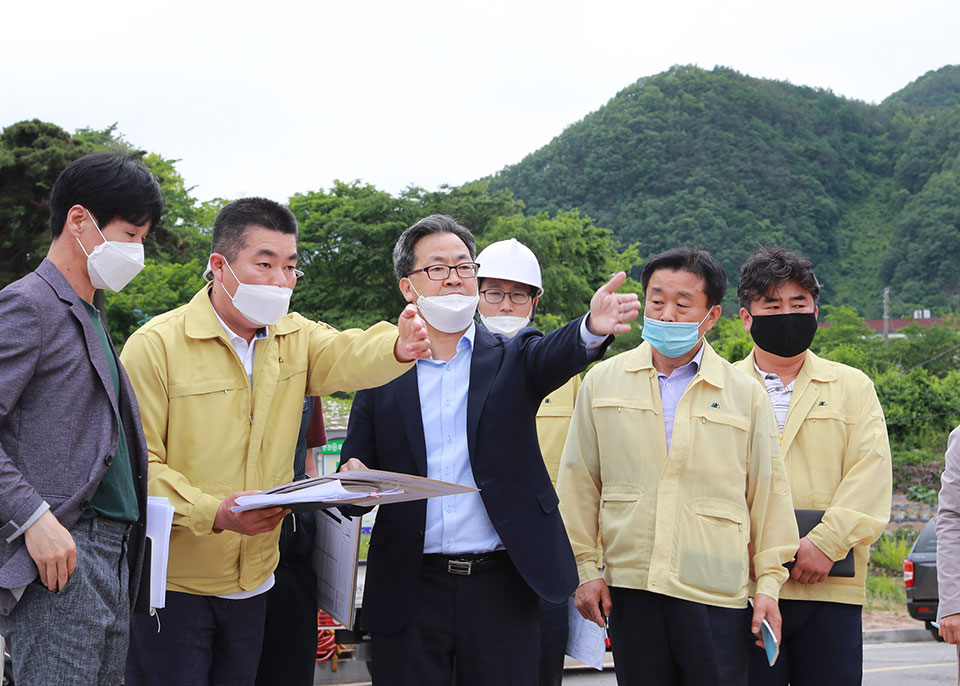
[838, 460]
[553, 420]
[209, 434]
[677, 523]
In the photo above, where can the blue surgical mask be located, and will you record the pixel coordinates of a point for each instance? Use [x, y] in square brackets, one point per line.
[672, 339]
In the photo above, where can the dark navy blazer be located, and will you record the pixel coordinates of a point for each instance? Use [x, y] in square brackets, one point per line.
[509, 377]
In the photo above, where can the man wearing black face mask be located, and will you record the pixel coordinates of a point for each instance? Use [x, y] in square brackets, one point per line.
[834, 440]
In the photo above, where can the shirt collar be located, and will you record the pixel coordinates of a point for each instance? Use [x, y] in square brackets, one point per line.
[691, 367]
[233, 336]
[464, 345]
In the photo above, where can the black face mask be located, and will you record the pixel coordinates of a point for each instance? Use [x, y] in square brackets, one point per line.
[785, 335]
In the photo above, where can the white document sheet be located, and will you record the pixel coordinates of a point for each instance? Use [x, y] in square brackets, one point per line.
[335, 552]
[364, 487]
[159, 521]
[586, 641]
[331, 492]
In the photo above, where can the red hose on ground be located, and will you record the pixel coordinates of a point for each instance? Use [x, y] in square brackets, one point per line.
[327, 646]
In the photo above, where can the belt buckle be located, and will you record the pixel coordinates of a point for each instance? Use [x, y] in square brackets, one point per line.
[461, 567]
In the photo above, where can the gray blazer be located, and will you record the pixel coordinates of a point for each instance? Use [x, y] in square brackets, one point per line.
[948, 531]
[58, 424]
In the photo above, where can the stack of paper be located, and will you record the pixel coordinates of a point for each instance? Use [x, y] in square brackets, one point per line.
[159, 521]
[365, 487]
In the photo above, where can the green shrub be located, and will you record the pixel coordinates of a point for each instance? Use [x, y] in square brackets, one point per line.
[922, 494]
[889, 552]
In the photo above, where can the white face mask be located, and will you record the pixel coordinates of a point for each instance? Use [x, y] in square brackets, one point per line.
[504, 324]
[260, 305]
[448, 313]
[112, 264]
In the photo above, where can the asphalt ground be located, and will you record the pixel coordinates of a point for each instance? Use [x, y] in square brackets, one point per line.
[917, 663]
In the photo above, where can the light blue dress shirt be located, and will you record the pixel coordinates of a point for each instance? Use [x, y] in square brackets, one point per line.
[457, 523]
[672, 388]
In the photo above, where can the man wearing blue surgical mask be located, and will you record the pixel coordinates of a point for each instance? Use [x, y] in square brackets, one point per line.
[672, 461]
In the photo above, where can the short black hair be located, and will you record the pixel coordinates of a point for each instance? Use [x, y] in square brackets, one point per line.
[771, 267]
[108, 185]
[695, 261]
[230, 226]
[403, 257]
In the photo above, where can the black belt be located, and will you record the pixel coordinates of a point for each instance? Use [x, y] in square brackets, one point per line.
[465, 564]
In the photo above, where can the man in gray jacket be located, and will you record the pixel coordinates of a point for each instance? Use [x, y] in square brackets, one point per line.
[73, 460]
[948, 543]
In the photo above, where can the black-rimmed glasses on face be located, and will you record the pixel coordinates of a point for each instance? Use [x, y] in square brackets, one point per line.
[495, 296]
[439, 272]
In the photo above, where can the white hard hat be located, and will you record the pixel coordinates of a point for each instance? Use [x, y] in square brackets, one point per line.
[510, 260]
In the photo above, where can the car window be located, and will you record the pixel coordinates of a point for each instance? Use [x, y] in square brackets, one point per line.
[927, 540]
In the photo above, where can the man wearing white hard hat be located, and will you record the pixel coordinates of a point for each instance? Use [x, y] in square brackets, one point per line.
[510, 288]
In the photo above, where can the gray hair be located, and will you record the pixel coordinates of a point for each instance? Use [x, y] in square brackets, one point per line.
[403, 258]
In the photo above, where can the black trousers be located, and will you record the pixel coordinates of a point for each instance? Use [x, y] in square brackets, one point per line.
[662, 641]
[202, 641]
[289, 653]
[484, 628]
[822, 645]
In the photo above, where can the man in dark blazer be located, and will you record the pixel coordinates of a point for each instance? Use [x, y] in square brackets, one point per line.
[73, 461]
[453, 583]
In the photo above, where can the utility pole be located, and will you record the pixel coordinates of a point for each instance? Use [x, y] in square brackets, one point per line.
[886, 316]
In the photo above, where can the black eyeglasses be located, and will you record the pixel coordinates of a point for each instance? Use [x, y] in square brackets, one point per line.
[439, 272]
[494, 296]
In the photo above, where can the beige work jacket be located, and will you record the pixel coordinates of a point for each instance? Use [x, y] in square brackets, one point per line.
[677, 523]
[838, 460]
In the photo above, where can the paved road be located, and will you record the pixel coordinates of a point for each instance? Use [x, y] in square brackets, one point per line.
[884, 664]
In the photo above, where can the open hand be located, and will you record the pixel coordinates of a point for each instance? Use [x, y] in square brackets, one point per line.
[610, 311]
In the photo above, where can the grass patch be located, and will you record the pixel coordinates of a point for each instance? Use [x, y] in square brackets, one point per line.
[885, 592]
[364, 545]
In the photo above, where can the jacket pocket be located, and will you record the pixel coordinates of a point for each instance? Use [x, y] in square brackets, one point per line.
[625, 525]
[547, 497]
[713, 546]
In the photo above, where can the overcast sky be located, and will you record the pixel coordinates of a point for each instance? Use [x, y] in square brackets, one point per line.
[273, 98]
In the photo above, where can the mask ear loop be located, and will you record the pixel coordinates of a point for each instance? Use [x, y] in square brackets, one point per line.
[232, 297]
[88, 254]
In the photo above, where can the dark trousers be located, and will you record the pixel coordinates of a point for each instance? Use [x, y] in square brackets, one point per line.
[484, 627]
[289, 652]
[202, 641]
[822, 645]
[554, 630]
[661, 641]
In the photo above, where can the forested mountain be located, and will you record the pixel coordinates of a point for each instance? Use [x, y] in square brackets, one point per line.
[726, 161]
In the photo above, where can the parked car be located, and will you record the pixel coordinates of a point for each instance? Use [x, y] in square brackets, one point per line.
[920, 578]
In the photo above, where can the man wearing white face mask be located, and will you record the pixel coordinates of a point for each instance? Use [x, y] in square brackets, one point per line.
[221, 382]
[510, 288]
[453, 583]
[673, 461]
[73, 461]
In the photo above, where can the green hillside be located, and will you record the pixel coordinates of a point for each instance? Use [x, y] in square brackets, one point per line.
[727, 161]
